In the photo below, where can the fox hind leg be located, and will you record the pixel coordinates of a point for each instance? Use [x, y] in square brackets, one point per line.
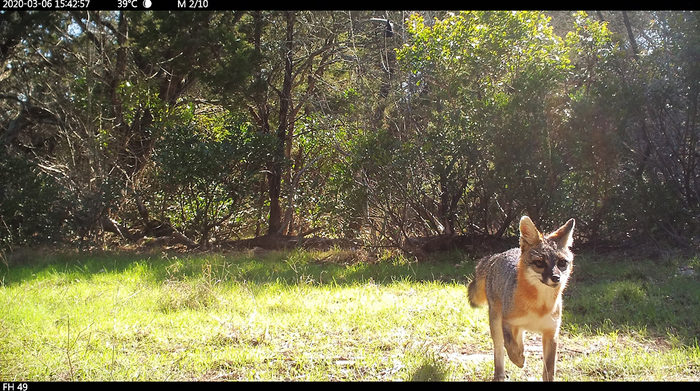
[495, 323]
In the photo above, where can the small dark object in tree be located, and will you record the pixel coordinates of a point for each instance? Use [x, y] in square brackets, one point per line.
[388, 27]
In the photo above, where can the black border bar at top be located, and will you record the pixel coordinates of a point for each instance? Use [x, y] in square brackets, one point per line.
[116, 5]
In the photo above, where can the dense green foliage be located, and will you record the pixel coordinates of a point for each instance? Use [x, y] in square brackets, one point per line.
[373, 126]
[29, 209]
[208, 178]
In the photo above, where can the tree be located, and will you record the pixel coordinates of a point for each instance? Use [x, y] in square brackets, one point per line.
[384, 125]
[292, 63]
[600, 107]
[485, 81]
[208, 173]
[672, 129]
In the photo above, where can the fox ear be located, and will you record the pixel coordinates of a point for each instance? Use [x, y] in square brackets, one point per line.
[528, 232]
[564, 235]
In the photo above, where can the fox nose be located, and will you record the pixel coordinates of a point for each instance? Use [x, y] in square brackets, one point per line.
[555, 278]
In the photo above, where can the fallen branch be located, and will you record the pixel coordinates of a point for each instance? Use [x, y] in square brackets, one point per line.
[111, 225]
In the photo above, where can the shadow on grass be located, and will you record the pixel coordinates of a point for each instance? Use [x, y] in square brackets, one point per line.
[640, 297]
[283, 267]
[605, 295]
[38, 265]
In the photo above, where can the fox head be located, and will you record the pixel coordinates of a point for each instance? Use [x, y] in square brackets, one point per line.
[547, 259]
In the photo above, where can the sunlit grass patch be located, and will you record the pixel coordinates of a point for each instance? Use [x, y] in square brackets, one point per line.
[298, 316]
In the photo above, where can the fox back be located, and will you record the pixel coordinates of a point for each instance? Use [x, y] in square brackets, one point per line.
[523, 288]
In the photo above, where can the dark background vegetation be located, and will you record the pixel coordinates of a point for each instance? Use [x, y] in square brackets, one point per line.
[414, 130]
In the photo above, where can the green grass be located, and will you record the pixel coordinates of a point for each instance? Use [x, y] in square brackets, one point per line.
[320, 316]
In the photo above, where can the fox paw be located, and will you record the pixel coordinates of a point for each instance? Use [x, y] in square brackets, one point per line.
[518, 358]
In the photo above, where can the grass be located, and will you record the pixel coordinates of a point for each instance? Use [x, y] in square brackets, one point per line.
[325, 316]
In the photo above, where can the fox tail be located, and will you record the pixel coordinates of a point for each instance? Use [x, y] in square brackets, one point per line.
[477, 290]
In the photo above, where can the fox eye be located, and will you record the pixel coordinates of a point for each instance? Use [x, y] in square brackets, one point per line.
[539, 264]
[562, 263]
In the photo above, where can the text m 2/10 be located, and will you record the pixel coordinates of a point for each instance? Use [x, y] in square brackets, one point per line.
[192, 4]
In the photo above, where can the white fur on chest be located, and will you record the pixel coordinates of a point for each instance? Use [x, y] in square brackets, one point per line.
[535, 323]
[548, 299]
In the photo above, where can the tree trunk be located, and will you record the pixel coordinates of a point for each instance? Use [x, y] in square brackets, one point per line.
[275, 171]
[510, 216]
[444, 207]
[628, 26]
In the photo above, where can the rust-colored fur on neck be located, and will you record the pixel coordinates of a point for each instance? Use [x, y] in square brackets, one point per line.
[523, 289]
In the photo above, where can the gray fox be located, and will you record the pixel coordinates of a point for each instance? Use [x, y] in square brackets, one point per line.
[523, 288]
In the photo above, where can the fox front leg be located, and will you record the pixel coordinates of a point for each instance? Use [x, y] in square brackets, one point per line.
[549, 351]
[513, 340]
